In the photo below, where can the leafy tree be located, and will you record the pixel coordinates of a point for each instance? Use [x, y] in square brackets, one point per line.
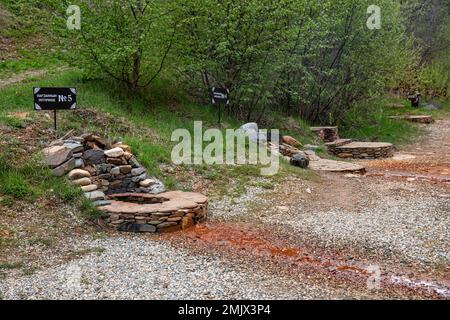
[304, 57]
[128, 40]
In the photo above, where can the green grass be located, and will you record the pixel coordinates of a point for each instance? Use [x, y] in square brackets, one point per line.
[88, 210]
[15, 185]
[442, 113]
[369, 122]
[10, 266]
[40, 241]
[12, 122]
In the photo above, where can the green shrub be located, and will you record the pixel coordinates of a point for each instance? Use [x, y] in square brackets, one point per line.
[436, 78]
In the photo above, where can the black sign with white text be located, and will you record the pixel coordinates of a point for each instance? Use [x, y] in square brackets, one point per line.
[220, 96]
[55, 98]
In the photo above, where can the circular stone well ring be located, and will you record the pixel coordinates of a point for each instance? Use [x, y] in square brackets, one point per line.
[164, 212]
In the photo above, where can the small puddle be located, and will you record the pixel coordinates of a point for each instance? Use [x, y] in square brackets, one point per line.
[247, 241]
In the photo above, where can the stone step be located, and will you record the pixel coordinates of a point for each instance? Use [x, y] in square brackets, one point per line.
[336, 166]
[419, 118]
[364, 150]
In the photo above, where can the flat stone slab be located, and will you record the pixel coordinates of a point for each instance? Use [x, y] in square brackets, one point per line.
[336, 166]
[128, 203]
[419, 118]
[338, 143]
[324, 128]
[365, 145]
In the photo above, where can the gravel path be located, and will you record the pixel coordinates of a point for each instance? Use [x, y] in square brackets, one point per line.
[140, 268]
[389, 219]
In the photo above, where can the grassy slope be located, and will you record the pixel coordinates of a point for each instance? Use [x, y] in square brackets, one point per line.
[150, 121]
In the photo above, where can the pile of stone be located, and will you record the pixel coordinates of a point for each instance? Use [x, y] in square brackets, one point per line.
[326, 134]
[100, 167]
[111, 177]
[286, 146]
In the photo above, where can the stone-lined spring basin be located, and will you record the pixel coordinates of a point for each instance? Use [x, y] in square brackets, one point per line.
[164, 212]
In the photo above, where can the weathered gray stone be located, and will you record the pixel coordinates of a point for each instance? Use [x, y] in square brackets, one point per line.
[94, 156]
[79, 163]
[138, 171]
[105, 176]
[125, 169]
[102, 203]
[95, 195]
[139, 178]
[164, 225]
[133, 162]
[115, 171]
[64, 168]
[300, 160]
[156, 188]
[103, 168]
[75, 147]
[147, 228]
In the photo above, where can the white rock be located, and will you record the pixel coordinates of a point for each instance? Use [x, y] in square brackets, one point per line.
[82, 182]
[89, 188]
[114, 153]
[78, 174]
[147, 183]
